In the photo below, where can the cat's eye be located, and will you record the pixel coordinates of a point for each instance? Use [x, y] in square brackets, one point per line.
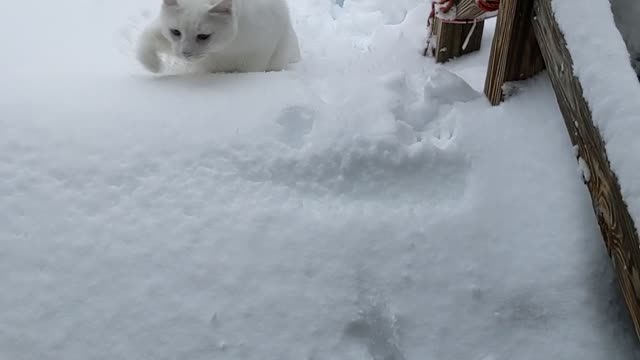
[175, 32]
[203, 37]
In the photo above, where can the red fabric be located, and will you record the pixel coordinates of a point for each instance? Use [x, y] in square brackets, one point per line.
[488, 5]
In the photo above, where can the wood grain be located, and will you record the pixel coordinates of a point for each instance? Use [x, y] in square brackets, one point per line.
[616, 225]
[467, 9]
[451, 37]
[515, 54]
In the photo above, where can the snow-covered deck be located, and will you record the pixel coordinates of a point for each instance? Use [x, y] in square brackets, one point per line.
[365, 204]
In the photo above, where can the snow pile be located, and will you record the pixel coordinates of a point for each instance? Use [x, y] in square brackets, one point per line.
[366, 204]
[601, 62]
[626, 14]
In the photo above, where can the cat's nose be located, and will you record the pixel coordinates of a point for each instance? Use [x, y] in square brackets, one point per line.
[187, 54]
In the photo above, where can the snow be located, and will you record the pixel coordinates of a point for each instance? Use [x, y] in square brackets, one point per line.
[583, 170]
[601, 62]
[626, 14]
[365, 204]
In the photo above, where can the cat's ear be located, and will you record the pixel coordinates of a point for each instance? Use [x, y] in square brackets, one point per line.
[170, 2]
[224, 7]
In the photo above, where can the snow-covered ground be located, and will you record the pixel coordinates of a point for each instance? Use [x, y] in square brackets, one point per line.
[366, 204]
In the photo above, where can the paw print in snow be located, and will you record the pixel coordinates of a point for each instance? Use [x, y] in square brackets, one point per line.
[296, 122]
[443, 133]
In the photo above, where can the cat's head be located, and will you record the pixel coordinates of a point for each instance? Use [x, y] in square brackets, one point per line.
[196, 28]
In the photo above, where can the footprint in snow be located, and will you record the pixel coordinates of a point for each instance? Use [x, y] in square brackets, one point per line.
[296, 122]
[443, 133]
[375, 329]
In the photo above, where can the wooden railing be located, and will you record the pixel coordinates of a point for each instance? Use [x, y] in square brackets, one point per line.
[528, 38]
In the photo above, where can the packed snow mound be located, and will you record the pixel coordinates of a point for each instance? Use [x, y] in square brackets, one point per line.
[364, 204]
[362, 168]
[446, 88]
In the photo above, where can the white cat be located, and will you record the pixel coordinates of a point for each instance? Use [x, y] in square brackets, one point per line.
[221, 35]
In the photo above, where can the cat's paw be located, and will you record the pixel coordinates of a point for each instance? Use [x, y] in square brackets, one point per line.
[150, 60]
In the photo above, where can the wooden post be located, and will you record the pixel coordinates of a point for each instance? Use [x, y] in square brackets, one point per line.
[616, 224]
[515, 54]
[451, 37]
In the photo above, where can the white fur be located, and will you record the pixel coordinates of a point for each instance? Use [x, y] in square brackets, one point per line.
[245, 35]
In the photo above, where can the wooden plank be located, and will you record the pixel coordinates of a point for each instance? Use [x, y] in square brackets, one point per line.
[616, 224]
[451, 37]
[515, 54]
[468, 9]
